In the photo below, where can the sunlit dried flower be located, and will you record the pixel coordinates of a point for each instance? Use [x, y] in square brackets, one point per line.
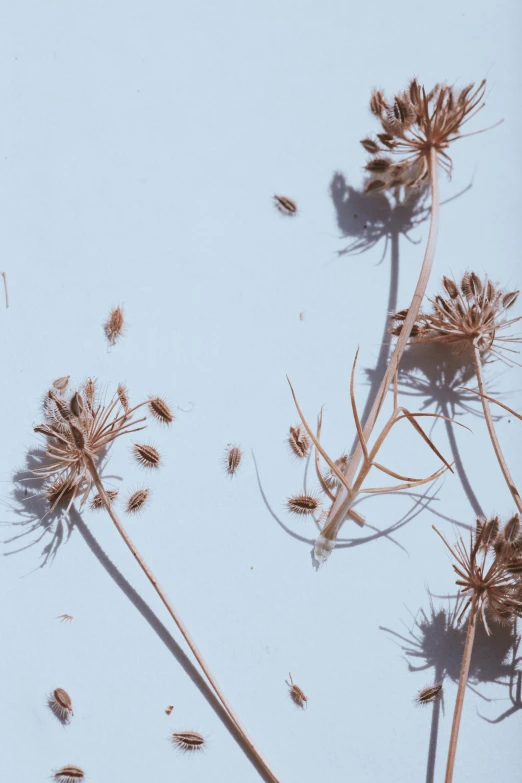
[233, 457]
[285, 205]
[299, 441]
[188, 741]
[137, 500]
[160, 410]
[296, 694]
[60, 703]
[60, 384]
[97, 502]
[114, 325]
[428, 695]
[302, 504]
[69, 774]
[148, 456]
[414, 123]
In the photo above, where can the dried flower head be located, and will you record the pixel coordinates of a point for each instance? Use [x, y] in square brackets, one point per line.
[473, 313]
[302, 504]
[232, 461]
[148, 456]
[188, 741]
[60, 384]
[488, 574]
[137, 500]
[97, 502]
[428, 695]
[299, 441]
[114, 325]
[60, 703]
[69, 774]
[285, 205]
[296, 694]
[160, 410]
[414, 123]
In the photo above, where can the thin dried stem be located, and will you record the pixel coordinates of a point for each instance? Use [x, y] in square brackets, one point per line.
[6, 292]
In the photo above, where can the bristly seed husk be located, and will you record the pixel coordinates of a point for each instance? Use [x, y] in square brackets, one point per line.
[429, 695]
[148, 456]
[233, 457]
[137, 500]
[299, 441]
[188, 741]
[114, 325]
[302, 504]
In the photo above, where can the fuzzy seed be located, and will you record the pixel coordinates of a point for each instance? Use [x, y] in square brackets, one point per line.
[429, 694]
[137, 500]
[160, 410]
[510, 299]
[302, 504]
[512, 529]
[188, 741]
[69, 774]
[60, 703]
[148, 456]
[299, 441]
[60, 384]
[233, 457]
[285, 205]
[114, 325]
[296, 694]
[378, 165]
[123, 396]
[451, 287]
[97, 502]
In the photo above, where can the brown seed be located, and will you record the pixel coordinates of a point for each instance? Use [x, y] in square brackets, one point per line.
[69, 774]
[78, 436]
[123, 396]
[512, 528]
[370, 146]
[285, 205]
[188, 741]
[61, 704]
[160, 410]
[450, 286]
[114, 325]
[137, 500]
[97, 502]
[299, 441]
[89, 390]
[148, 456]
[378, 165]
[374, 184]
[76, 404]
[296, 694]
[233, 457]
[510, 299]
[302, 504]
[169, 709]
[60, 384]
[429, 694]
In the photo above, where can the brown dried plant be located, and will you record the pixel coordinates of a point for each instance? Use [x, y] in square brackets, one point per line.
[78, 430]
[417, 129]
[489, 572]
[296, 694]
[285, 205]
[60, 703]
[188, 741]
[473, 314]
[69, 774]
[114, 325]
[429, 694]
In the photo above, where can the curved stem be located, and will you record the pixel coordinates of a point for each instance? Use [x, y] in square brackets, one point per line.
[177, 619]
[344, 500]
[463, 681]
[492, 433]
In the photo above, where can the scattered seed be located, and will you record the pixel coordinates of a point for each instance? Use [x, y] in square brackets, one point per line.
[296, 694]
[285, 205]
[169, 709]
[69, 774]
[97, 502]
[302, 504]
[114, 325]
[188, 741]
[429, 694]
[299, 441]
[60, 703]
[148, 456]
[233, 457]
[60, 384]
[137, 500]
[160, 410]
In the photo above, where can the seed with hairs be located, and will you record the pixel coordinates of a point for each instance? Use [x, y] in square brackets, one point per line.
[370, 146]
[233, 457]
[60, 384]
[61, 705]
[76, 404]
[512, 529]
[509, 299]
[148, 456]
[123, 396]
[299, 441]
[114, 325]
[160, 410]
[302, 504]
[296, 694]
[285, 205]
[429, 694]
[97, 502]
[137, 500]
[378, 165]
[450, 286]
[188, 741]
[69, 774]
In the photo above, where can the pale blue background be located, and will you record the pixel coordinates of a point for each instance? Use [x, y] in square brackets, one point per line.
[140, 146]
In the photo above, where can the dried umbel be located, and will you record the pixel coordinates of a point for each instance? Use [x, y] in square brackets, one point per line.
[113, 327]
[232, 461]
[296, 694]
[302, 505]
[429, 695]
[69, 774]
[188, 741]
[285, 205]
[474, 312]
[60, 703]
[298, 441]
[413, 123]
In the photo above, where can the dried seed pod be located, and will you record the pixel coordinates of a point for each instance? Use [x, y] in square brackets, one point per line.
[400, 315]
[374, 184]
[378, 165]
[509, 299]
[61, 491]
[78, 436]
[60, 406]
[60, 384]
[123, 396]
[89, 391]
[377, 103]
[296, 694]
[489, 532]
[160, 410]
[450, 286]
[370, 146]
[188, 741]
[414, 92]
[69, 774]
[512, 529]
[285, 205]
[475, 284]
[299, 441]
[169, 709]
[114, 325]
[232, 459]
[465, 286]
[60, 703]
[302, 504]
[137, 500]
[97, 502]
[148, 456]
[428, 695]
[76, 405]
[331, 480]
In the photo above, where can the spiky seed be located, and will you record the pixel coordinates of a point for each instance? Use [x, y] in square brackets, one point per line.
[61, 704]
[60, 384]
[89, 390]
[512, 529]
[296, 694]
[378, 165]
[299, 441]
[123, 396]
[414, 92]
[302, 504]
[114, 325]
[97, 502]
[489, 532]
[509, 299]
[370, 146]
[377, 103]
[137, 500]
[475, 284]
[160, 410]
[465, 285]
[76, 405]
[285, 205]
[148, 456]
[188, 741]
[450, 286]
[69, 774]
[233, 457]
[428, 695]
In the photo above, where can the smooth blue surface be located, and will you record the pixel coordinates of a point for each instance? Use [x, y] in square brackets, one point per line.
[140, 147]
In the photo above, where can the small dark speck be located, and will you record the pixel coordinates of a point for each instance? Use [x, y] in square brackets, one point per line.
[25, 492]
[355, 215]
[365, 225]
